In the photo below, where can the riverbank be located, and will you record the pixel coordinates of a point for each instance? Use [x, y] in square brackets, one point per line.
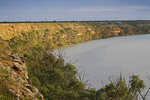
[63, 34]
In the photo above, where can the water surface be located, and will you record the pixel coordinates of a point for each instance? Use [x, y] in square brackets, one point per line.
[104, 58]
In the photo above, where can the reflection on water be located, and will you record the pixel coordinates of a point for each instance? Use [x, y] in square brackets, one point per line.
[105, 58]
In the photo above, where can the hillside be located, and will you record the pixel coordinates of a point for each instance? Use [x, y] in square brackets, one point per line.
[29, 70]
[68, 33]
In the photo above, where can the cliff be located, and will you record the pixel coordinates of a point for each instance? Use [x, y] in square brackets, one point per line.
[14, 76]
[48, 74]
[68, 33]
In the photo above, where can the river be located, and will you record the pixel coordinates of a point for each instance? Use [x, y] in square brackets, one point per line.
[104, 58]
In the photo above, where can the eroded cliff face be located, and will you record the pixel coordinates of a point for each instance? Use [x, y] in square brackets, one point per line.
[69, 33]
[14, 75]
[59, 34]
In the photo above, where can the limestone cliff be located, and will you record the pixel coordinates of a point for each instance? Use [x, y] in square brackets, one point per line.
[68, 33]
[14, 75]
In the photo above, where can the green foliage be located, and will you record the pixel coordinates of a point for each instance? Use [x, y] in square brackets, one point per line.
[46, 30]
[105, 34]
[136, 85]
[90, 94]
[121, 34]
[118, 90]
[51, 74]
[57, 80]
[112, 34]
[126, 30]
[5, 94]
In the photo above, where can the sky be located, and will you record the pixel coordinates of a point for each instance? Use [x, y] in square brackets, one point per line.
[69, 10]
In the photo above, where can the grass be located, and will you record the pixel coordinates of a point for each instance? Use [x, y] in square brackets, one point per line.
[5, 94]
[4, 82]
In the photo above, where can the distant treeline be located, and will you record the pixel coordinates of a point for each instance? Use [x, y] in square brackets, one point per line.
[101, 21]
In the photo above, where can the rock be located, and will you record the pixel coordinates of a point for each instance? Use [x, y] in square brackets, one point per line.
[13, 68]
[32, 89]
[35, 91]
[21, 70]
[40, 96]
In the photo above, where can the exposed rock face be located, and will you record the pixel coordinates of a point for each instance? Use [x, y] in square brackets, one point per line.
[17, 80]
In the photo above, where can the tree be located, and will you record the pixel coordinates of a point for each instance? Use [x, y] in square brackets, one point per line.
[105, 34]
[121, 34]
[118, 90]
[112, 34]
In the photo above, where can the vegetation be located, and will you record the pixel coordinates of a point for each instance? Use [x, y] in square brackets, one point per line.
[5, 80]
[5, 94]
[60, 34]
[120, 90]
[57, 80]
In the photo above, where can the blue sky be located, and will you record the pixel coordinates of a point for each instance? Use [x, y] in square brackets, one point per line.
[67, 10]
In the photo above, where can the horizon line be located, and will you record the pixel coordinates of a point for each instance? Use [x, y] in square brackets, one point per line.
[67, 21]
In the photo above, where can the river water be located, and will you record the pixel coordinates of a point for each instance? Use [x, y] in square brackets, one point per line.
[104, 58]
